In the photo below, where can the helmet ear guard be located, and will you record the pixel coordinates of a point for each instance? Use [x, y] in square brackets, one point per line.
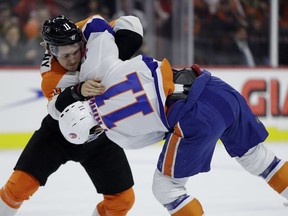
[77, 123]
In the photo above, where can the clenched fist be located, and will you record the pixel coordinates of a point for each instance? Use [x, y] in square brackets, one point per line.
[92, 88]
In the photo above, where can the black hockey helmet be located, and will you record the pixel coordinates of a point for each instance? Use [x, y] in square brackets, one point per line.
[60, 31]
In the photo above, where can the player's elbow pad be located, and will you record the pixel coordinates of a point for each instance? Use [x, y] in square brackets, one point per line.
[128, 42]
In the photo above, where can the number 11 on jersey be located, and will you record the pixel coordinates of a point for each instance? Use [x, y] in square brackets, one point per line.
[141, 104]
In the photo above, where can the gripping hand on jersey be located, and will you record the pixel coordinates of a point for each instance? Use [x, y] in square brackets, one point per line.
[78, 92]
[92, 88]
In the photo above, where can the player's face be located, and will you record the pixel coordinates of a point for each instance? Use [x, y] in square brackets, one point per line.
[69, 56]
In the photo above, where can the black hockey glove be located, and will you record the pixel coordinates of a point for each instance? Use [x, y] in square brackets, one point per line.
[69, 96]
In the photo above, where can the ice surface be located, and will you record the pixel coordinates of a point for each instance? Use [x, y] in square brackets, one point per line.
[227, 190]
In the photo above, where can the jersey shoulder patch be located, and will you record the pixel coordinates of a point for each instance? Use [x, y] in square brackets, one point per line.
[51, 72]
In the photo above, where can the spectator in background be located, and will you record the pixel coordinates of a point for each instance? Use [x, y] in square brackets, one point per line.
[283, 22]
[20, 45]
[11, 46]
[94, 7]
[19, 48]
[80, 9]
[5, 15]
[163, 10]
[76, 9]
[259, 41]
[283, 33]
[215, 22]
[258, 30]
[32, 27]
[244, 52]
[202, 35]
[226, 18]
[232, 49]
[5, 18]
[228, 41]
[32, 30]
[135, 9]
[25, 9]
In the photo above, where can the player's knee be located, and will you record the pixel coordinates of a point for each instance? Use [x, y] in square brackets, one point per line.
[167, 189]
[171, 193]
[257, 159]
[118, 204]
[19, 188]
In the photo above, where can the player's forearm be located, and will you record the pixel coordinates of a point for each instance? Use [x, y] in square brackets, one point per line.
[128, 35]
[69, 96]
[128, 42]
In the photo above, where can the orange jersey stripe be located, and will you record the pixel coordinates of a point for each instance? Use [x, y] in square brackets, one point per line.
[112, 23]
[167, 79]
[167, 76]
[171, 151]
[51, 78]
[81, 23]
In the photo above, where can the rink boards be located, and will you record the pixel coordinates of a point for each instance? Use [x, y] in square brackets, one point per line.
[22, 105]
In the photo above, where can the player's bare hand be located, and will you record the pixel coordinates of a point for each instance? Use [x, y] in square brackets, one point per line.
[92, 88]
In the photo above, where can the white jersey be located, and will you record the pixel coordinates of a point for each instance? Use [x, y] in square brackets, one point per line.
[132, 109]
[55, 78]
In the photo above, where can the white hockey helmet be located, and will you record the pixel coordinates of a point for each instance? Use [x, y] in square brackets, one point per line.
[78, 124]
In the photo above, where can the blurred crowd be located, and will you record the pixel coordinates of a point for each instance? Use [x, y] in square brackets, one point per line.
[226, 32]
[240, 30]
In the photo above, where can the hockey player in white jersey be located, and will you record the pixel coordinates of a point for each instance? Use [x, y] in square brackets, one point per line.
[146, 101]
[47, 149]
